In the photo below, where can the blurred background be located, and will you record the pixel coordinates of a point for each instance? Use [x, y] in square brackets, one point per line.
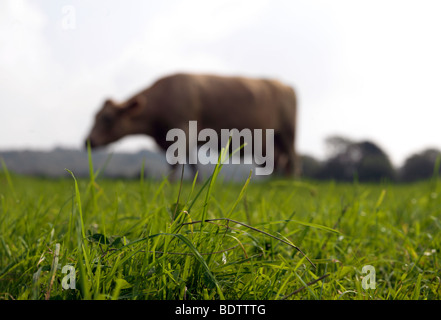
[365, 71]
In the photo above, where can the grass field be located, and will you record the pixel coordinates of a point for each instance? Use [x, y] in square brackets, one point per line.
[277, 239]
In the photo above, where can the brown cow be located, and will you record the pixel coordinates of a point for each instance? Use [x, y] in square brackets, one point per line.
[215, 102]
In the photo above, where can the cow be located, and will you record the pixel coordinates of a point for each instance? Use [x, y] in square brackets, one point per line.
[215, 102]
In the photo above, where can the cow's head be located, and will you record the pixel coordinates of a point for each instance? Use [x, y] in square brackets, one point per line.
[115, 121]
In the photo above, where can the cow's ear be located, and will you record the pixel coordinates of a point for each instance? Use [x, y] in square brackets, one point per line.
[109, 102]
[133, 106]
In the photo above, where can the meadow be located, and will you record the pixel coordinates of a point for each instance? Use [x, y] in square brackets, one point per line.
[277, 239]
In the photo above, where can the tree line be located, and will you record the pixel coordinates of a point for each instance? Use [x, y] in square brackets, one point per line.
[365, 161]
[346, 160]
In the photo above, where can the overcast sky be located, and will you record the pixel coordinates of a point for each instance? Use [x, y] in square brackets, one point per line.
[362, 69]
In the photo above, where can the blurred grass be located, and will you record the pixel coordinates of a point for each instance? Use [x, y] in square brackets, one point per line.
[141, 239]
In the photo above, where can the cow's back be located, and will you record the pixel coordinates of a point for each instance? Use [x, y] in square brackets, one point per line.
[219, 102]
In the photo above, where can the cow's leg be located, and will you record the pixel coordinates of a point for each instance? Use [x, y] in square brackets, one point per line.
[193, 166]
[194, 169]
[172, 177]
[287, 145]
[280, 157]
[176, 172]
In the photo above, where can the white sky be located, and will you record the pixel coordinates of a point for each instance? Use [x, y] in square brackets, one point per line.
[362, 69]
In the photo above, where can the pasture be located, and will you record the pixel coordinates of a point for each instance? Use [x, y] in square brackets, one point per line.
[264, 240]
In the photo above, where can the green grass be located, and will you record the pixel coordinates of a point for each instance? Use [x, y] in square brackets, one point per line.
[145, 239]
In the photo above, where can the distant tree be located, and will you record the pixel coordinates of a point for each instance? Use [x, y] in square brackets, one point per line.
[373, 164]
[337, 145]
[310, 166]
[348, 159]
[420, 166]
